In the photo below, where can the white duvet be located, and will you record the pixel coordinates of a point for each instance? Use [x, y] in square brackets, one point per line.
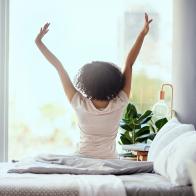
[85, 185]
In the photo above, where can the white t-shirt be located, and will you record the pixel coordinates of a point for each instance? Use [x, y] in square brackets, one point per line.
[98, 127]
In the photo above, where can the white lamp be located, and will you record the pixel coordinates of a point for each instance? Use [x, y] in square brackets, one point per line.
[161, 109]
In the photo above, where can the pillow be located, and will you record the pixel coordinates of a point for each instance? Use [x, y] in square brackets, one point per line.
[166, 135]
[172, 160]
[165, 129]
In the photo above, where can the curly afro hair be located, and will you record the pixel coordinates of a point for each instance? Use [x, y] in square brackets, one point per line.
[99, 80]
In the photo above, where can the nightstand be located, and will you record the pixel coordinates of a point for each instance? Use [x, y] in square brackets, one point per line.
[135, 156]
[139, 151]
[142, 155]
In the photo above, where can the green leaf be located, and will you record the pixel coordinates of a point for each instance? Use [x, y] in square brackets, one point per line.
[153, 128]
[131, 111]
[137, 126]
[138, 115]
[144, 116]
[152, 136]
[141, 140]
[128, 109]
[125, 120]
[144, 130]
[124, 140]
[146, 120]
[160, 123]
[127, 135]
[129, 125]
[125, 126]
[145, 137]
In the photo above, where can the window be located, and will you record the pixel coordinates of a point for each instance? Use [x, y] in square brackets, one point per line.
[3, 78]
[40, 117]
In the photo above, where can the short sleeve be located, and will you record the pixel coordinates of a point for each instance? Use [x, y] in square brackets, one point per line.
[76, 100]
[123, 97]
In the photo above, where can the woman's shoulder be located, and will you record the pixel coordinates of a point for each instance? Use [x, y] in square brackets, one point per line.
[77, 99]
[82, 102]
[123, 96]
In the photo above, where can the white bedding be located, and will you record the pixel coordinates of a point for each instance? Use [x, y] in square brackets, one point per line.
[28, 184]
[74, 164]
[55, 184]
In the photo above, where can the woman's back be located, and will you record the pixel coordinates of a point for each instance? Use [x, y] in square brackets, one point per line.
[98, 127]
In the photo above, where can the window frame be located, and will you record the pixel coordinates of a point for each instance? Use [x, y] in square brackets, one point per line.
[4, 51]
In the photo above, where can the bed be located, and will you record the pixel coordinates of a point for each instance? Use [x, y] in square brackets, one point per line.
[32, 184]
[146, 184]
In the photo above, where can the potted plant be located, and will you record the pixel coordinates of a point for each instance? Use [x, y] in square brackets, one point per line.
[138, 128]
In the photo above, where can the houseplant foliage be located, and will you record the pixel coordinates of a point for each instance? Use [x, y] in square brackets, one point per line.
[139, 127]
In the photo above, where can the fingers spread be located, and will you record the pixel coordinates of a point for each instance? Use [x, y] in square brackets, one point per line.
[46, 25]
[46, 31]
[146, 17]
[149, 21]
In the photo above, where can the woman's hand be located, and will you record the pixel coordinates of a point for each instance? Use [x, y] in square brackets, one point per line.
[146, 25]
[42, 33]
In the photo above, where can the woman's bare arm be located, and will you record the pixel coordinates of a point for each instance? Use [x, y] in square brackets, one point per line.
[67, 84]
[127, 70]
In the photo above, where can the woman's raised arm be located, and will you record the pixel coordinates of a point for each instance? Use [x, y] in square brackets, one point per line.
[67, 84]
[127, 70]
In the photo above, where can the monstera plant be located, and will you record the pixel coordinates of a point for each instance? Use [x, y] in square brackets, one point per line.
[138, 127]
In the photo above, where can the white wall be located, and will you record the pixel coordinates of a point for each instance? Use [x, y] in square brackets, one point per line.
[184, 60]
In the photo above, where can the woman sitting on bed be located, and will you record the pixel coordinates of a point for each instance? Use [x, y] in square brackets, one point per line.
[100, 93]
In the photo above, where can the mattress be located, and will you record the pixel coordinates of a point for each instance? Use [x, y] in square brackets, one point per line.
[142, 184]
[151, 184]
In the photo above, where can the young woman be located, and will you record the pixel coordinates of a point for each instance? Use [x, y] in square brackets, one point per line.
[100, 93]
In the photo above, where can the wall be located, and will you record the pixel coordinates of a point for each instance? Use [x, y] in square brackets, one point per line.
[184, 60]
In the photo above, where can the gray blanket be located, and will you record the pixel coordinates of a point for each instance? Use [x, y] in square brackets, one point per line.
[54, 164]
